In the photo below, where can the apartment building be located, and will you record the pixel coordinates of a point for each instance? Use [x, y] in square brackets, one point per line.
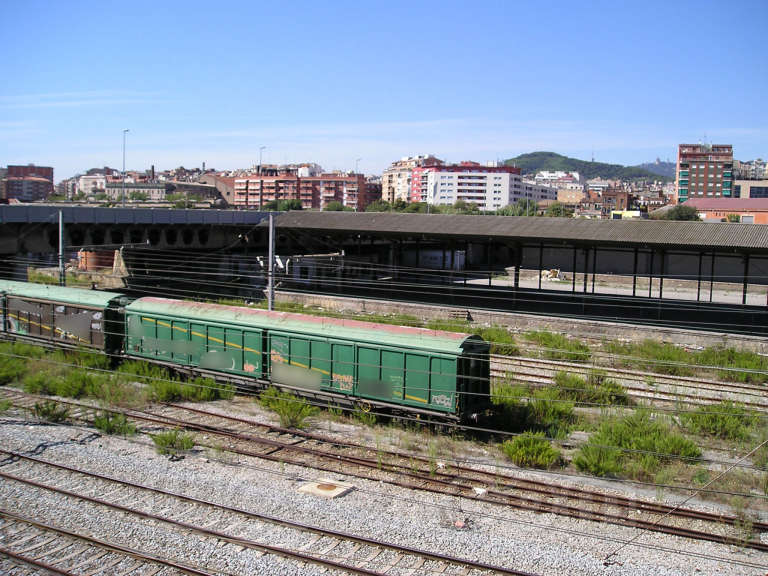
[314, 191]
[396, 181]
[704, 171]
[26, 188]
[490, 187]
[26, 183]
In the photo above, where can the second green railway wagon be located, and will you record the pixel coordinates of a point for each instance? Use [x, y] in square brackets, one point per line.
[414, 369]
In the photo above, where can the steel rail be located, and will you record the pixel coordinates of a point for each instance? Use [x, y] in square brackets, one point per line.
[96, 542]
[267, 548]
[467, 490]
[274, 520]
[631, 374]
[425, 482]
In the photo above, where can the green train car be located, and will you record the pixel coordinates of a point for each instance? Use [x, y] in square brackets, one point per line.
[60, 315]
[392, 367]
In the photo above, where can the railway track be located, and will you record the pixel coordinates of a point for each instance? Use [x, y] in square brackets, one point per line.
[651, 386]
[330, 548]
[55, 550]
[250, 438]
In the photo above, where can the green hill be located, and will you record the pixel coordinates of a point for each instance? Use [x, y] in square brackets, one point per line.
[536, 161]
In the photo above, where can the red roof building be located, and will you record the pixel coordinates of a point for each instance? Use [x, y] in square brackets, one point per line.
[748, 210]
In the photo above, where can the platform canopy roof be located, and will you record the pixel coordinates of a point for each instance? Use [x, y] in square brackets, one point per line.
[628, 233]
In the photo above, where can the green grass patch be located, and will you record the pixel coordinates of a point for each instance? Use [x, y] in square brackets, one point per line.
[5, 405]
[50, 411]
[172, 442]
[635, 446]
[654, 356]
[733, 360]
[727, 420]
[449, 325]
[202, 389]
[15, 358]
[293, 411]
[11, 369]
[595, 389]
[143, 371]
[559, 347]
[502, 341]
[517, 409]
[38, 383]
[114, 424]
[41, 278]
[531, 450]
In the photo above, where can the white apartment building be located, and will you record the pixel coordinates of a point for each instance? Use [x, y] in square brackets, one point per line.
[488, 190]
[92, 184]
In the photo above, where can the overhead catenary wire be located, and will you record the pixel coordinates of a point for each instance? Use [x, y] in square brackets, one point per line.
[408, 288]
[623, 358]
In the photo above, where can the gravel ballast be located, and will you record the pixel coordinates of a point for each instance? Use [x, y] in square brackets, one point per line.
[538, 543]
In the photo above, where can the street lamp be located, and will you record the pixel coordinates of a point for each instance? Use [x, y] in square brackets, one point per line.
[357, 161]
[124, 133]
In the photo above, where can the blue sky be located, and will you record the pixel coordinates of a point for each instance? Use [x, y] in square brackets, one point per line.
[335, 81]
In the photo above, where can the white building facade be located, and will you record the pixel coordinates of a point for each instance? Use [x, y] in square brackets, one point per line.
[488, 190]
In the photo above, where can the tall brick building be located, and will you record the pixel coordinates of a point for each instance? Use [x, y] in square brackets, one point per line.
[704, 171]
[27, 183]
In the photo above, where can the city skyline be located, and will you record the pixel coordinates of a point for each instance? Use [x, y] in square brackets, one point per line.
[375, 82]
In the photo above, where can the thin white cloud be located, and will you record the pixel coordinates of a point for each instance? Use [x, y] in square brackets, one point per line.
[80, 99]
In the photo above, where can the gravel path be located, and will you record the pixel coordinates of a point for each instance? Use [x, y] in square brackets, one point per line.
[538, 543]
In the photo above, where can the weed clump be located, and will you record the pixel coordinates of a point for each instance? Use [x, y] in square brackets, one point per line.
[727, 420]
[635, 445]
[11, 368]
[51, 411]
[531, 450]
[292, 411]
[595, 389]
[517, 409]
[754, 367]
[502, 340]
[111, 423]
[172, 442]
[558, 347]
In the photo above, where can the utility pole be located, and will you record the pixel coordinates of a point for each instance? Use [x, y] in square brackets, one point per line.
[62, 271]
[271, 267]
[124, 133]
[261, 180]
